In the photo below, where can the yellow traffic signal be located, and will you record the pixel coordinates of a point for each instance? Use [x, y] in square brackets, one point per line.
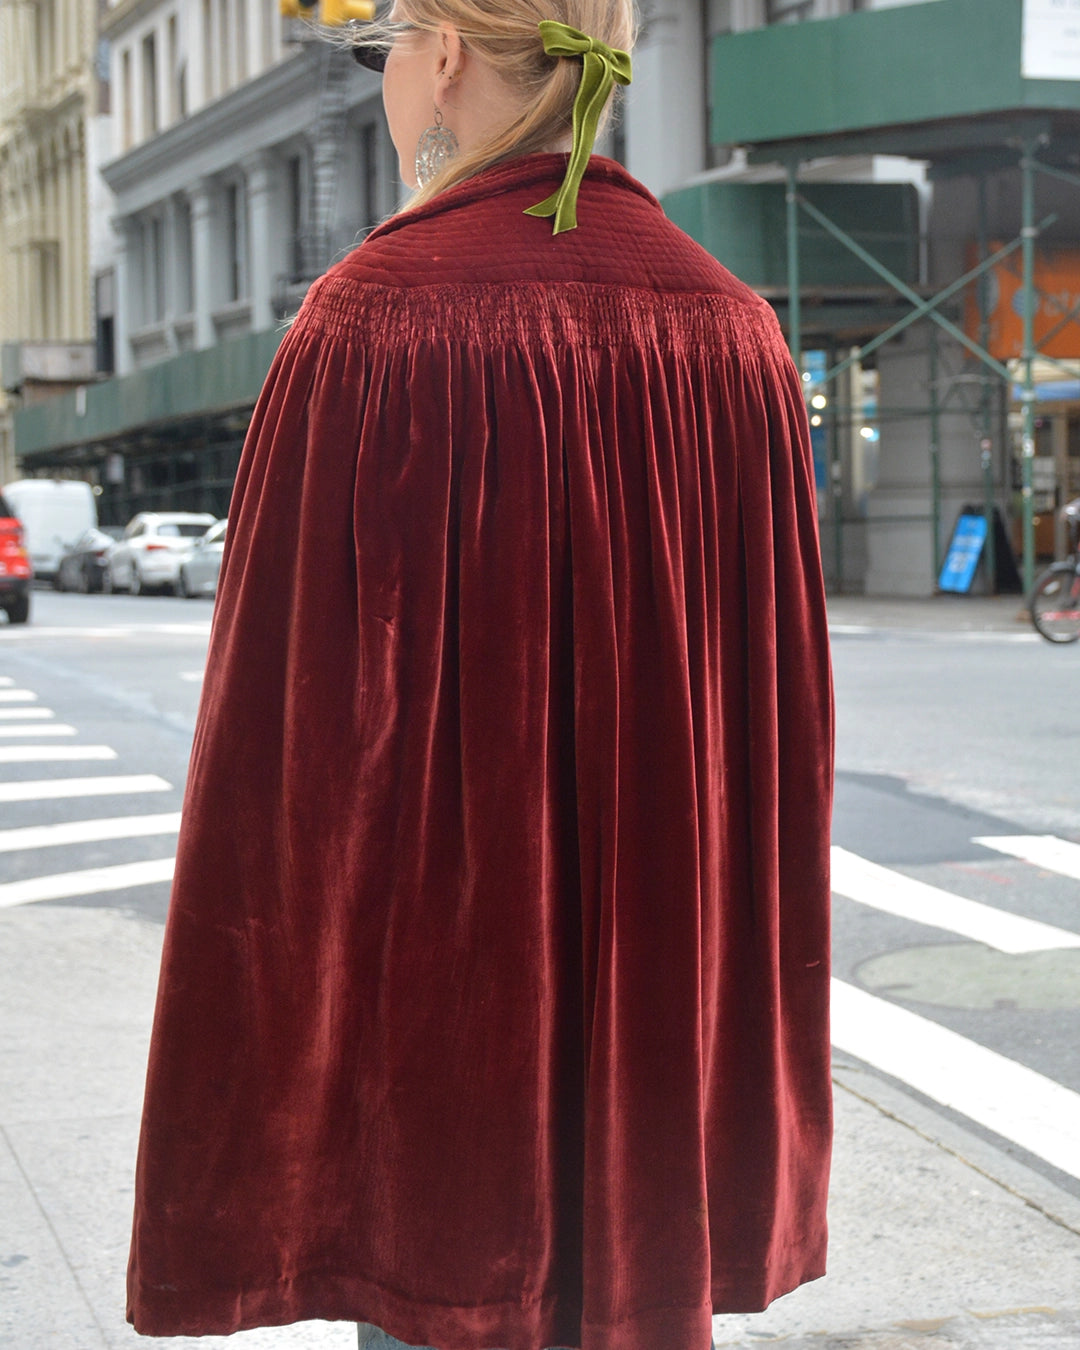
[334, 13]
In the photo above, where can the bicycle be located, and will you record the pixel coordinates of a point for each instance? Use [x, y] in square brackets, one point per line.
[1055, 598]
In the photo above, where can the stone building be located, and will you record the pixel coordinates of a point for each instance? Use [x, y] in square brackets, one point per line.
[48, 111]
[848, 158]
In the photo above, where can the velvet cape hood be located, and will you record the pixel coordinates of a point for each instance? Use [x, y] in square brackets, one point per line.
[493, 1004]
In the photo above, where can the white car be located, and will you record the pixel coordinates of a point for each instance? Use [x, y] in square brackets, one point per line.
[199, 568]
[149, 554]
[53, 514]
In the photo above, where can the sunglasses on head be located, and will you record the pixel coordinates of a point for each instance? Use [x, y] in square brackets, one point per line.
[371, 58]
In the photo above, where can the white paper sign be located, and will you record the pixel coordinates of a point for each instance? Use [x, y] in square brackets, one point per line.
[1051, 40]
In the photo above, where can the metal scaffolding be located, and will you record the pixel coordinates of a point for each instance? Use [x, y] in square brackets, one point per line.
[973, 147]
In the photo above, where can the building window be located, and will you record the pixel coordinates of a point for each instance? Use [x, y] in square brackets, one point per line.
[126, 127]
[235, 241]
[209, 87]
[172, 69]
[788, 11]
[153, 272]
[46, 36]
[104, 316]
[184, 265]
[224, 47]
[150, 125]
[48, 326]
[104, 82]
[270, 20]
[240, 44]
[296, 186]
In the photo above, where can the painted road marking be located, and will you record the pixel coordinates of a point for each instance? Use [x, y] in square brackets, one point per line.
[30, 729]
[893, 893]
[105, 786]
[6, 681]
[1012, 1100]
[17, 696]
[25, 714]
[7, 632]
[41, 754]
[1043, 850]
[93, 881]
[88, 831]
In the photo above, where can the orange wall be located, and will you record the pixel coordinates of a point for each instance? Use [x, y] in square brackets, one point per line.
[1057, 290]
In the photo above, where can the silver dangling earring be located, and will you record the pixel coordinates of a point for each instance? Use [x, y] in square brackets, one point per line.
[434, 150]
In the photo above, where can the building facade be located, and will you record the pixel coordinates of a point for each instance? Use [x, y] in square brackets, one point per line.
[242, 164]
[246, 155]
[48, 105]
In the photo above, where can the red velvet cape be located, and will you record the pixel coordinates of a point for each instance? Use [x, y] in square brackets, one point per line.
[493, 1006]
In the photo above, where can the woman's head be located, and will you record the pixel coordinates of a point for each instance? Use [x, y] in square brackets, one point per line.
[482, 65]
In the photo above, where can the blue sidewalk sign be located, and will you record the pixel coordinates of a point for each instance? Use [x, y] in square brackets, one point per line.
[964, 553]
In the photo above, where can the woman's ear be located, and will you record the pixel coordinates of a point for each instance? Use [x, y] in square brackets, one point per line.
[450, 54]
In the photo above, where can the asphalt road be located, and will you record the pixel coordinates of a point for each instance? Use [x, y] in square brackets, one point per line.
[957, 920]
[951, 750]
[125, 673]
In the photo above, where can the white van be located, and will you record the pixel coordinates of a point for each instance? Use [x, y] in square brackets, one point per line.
[54, 513]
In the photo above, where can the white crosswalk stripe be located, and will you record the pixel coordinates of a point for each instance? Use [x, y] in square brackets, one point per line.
[1014, 1101]
[115, 631]
[34, 727]
[91, 881]
[28, 729]
[44, 754]
[1042, 850]
[88, 831]
[881, 888]
[998, 1093]
[44, 789]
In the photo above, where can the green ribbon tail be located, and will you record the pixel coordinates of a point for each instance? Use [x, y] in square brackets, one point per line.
[547, 207]
[598, 76]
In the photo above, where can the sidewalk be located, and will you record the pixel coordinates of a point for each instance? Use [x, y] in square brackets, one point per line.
[939, 1241]
[933, 614]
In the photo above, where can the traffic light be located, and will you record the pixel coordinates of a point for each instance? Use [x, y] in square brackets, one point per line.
[334, 13]
[297, 9]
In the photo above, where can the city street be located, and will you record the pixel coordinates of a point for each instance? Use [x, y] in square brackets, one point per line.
[956, 1193]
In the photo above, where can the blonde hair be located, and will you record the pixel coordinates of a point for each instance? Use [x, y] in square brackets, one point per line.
[504, 33]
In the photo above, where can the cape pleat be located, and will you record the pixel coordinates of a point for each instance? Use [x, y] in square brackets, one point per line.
[493, 1005]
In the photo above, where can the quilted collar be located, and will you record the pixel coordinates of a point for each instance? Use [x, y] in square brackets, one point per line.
[509, 176]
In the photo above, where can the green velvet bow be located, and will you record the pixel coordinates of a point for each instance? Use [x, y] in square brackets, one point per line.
[601, 67]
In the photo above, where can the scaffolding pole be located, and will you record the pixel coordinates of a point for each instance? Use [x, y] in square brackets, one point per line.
[836, 485]
[935, 459]
[986, 443]
[794, 281]
[1027, 396]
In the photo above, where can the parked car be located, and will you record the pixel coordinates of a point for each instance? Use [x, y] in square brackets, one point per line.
[147, 556]
[82, 567]
[54, 512]
[16, 570]
[199, 568]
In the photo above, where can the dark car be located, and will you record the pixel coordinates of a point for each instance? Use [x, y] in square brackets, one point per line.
[82, 566]
[16, 572]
